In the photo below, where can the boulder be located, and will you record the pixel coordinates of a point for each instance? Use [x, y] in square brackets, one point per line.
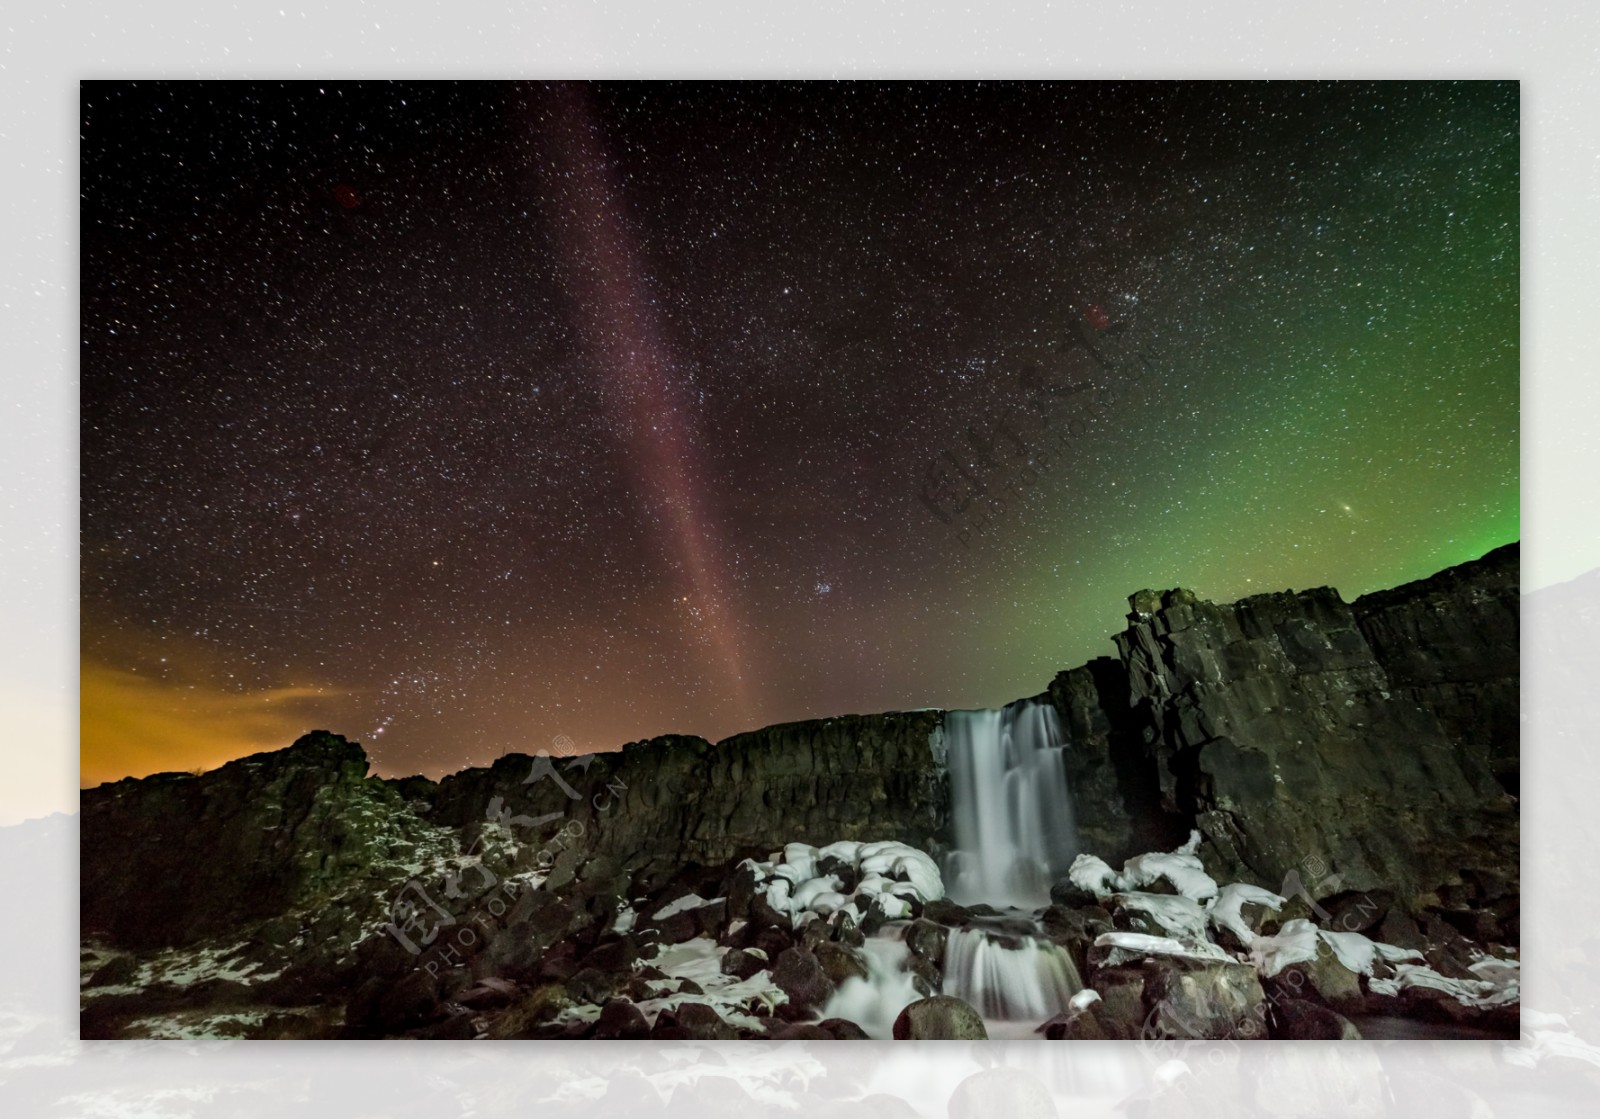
[842, 1029]
[742, 964]
[700, 1021]
[927, 940]
[801, 977]
[946, 913]
[1202, 1000]
[619, 1018]
[939, 1017]
[590, 985]
[1301, 1019]
[840, 963]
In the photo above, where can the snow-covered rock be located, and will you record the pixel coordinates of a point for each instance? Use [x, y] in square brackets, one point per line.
[1182, 868]
[888, 873]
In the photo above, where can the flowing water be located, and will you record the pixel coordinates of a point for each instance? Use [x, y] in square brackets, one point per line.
[1014, 835]
[1009, 978]
[1010, 807]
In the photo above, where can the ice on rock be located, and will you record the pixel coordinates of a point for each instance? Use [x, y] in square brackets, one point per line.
[1179, 916]
[679, 906]
[1128, 946]
[1083, 999]
[1181, 868]
[1295, 943]
[1357, 952]
[1093, 874]
[1224, 909]
[1499, 986]
[812, 889]
[1200, 904]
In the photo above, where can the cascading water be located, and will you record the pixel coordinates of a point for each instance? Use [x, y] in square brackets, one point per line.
[1009, 977]
[1010, 805]
[1014, 833]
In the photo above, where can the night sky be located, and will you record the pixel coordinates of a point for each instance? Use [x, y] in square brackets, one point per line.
[461, 419]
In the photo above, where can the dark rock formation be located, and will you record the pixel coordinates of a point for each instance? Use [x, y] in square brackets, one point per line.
[677, 799]
[173, 858]
[1297, 745]
[1449, 644]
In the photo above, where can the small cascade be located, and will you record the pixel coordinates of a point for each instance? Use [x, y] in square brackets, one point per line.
[1009, 977]
[1012, 811]
[873, 1004]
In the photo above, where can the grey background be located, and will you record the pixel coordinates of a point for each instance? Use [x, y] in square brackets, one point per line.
[46, 48]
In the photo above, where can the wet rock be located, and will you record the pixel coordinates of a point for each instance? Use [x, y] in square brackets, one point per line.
[1064, 892]
[1202, 1000]
[844, 930]
[927, 939]
[619, 1018]
[839, 963]
[742, 964]
[1121, 991]
[926, 975]
[701, 1022]
[946, 913]
[1090, 1024]
[801, 977]
[939, 1017]
[1301, 1019]
[842, 1029]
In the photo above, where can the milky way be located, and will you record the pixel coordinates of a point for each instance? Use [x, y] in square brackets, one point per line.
[470, 418]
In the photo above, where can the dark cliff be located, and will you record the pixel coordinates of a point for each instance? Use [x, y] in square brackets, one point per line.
[1377, 740]
[679, 799]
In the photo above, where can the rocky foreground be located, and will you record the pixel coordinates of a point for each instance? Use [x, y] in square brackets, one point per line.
[1343, 776]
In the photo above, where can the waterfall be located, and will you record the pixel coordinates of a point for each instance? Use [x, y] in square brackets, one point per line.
[1012, 811]
[1008, 977]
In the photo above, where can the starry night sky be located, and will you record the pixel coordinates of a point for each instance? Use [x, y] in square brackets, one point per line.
[469, 418]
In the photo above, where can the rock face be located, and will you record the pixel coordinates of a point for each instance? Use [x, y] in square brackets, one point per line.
[679, 799]
[174, 858]
[1358, 747]
[1449, 644]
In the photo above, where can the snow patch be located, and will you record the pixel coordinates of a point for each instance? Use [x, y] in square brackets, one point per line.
[890, 874]
[1181, 867]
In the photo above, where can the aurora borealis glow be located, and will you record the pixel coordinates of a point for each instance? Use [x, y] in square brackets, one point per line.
[459, 418]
